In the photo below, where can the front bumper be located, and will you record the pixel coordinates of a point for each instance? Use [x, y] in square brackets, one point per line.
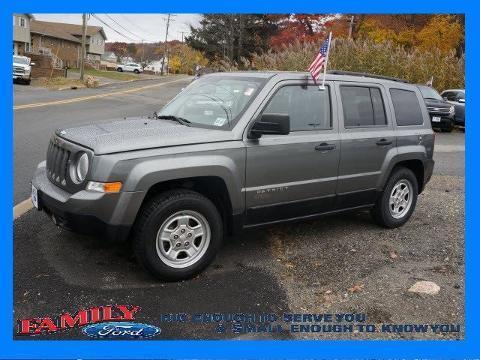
[446, 121]
[21, 76]
[107, 216]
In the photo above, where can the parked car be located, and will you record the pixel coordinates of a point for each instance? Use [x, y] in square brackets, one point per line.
[441, 112]
[456, 97]
[131, 67]
[22, 69]
[239, 150]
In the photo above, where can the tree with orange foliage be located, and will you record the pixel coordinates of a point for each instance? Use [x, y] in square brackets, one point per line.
[442, 32]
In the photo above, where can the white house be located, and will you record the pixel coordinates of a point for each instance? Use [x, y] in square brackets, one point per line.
[109, 56]
[156, 66]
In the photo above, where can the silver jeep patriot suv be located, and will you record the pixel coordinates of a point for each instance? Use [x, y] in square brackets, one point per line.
[238, 150]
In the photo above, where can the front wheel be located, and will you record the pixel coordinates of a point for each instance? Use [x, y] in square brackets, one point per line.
[119, 69]
[136, 71]
[397, 201]
[177, 234]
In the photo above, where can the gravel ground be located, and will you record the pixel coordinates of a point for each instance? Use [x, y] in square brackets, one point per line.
[347, 264]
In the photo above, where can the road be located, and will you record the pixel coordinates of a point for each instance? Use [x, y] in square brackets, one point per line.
[303, 267]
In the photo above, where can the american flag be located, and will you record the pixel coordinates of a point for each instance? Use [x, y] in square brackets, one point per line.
[317, 65]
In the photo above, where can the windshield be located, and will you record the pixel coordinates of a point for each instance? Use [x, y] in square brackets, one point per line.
[20, 60]
[429, 93]
[214, 101]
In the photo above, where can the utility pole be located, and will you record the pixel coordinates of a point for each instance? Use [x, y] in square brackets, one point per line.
[165, 47]
[84, 40]
[183, 32]
[350, 29]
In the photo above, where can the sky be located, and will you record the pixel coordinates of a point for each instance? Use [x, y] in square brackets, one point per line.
[132, 27]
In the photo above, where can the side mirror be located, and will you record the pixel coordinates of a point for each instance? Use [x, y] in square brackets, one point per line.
[32, 64]
[270, 124]
[461, 101]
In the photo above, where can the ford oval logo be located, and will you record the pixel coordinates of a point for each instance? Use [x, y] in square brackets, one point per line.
[121, 330]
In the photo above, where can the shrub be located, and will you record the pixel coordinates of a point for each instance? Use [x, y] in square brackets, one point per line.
[384, 58]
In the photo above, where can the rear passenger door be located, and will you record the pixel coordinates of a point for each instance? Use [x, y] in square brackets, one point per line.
[367, 138]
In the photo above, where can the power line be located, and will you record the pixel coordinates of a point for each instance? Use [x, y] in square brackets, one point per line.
[123, 27]
[138, 27]
[111, 28]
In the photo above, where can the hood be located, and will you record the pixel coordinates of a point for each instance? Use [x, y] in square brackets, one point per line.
[437, 103]
[139, 133]
[438, 107]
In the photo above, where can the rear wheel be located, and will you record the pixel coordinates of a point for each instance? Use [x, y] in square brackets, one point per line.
[177, 234]
[119, 69]
[136, 71]
[397, 201]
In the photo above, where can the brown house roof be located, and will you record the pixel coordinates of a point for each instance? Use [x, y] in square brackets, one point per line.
[62, 30]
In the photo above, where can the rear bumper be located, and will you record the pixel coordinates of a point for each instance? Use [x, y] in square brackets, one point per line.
[106, 216]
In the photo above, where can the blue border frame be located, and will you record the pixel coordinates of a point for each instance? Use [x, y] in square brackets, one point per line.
[242, 349]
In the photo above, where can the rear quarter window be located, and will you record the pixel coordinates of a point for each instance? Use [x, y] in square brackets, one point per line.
[407, 108]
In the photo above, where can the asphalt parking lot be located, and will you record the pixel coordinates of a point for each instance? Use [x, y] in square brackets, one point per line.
[337, 264]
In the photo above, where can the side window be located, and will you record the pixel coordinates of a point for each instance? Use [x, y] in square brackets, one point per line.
[307, 106]
[407, 108]
[450, 96]
[362, 106]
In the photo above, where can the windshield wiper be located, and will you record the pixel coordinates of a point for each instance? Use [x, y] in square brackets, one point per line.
[178, 119]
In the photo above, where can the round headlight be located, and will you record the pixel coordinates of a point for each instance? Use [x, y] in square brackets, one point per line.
[81, 168]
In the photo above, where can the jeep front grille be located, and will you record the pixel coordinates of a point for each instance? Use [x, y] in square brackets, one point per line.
[57, 163]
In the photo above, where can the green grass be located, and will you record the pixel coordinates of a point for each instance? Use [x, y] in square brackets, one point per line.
[114, 75]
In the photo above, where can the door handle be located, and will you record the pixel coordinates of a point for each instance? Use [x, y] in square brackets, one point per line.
[325, 147]
[383, 142]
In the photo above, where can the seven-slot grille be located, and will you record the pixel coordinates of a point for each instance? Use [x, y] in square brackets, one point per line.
[18, 70]
[57, 163]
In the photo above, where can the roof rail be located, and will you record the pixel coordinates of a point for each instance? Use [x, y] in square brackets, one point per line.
[353, 73]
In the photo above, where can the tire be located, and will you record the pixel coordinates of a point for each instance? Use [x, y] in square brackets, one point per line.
[119, 69]
[28, 81]
[382, 213]
[160, 213]
[136, 71]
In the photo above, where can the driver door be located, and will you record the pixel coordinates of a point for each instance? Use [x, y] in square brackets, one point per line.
[294, 175]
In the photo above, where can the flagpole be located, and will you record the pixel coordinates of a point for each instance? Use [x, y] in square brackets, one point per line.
[322, 87]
